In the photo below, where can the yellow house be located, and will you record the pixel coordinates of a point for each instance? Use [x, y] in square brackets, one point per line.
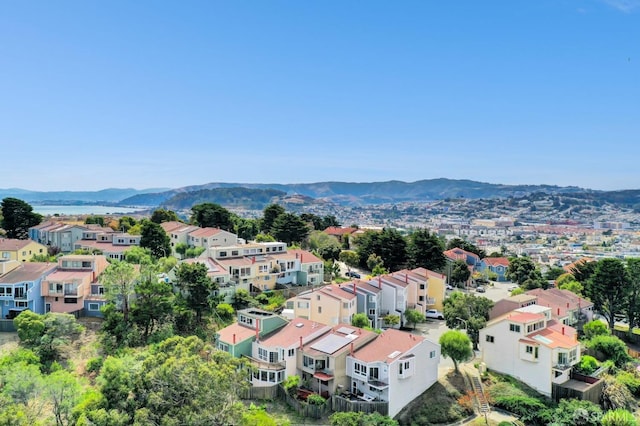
[328, 305]
[20, 250]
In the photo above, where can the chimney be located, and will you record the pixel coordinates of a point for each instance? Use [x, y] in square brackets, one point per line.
[300, 257]
[558, 311]
[567, 305]
[406, 278]
[234, 338]
[355, 286]
[563, 331]
[257, 329]
[300, 342]
[379, 281]
[351, 349]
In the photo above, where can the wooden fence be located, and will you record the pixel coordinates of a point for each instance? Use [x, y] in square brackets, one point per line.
[260, 393]
[339, 403]
[303, 408]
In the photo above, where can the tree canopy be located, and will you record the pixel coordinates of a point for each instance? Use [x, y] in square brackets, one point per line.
[211, 215]
[17, 217]
[456, 345]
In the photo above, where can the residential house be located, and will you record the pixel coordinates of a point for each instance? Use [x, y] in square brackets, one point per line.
[341, 233]
[396, 295]
[331, 304]
[369, 300]
[57, 234]
[211, 237]
[471, 259]
[300, 267]
[322, 363]
[252, 324]
[531, 346]
[112, 245]
[497, 265]
[20, 287]
[566, 306]
[396, 368]
[275, 356]
[178, 233]
[20, 250]
[66, 289]
[430, 288]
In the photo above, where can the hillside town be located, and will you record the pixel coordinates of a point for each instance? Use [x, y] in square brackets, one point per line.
[328, 331]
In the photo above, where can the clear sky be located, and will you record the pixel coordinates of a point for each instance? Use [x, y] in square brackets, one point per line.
[140, 94]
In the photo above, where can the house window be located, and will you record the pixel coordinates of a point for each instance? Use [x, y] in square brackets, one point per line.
[94, 306]
[514, 327]
[529, 349]
[421, 298]
[223, 347]
[9, 291]
[21, 305]
[422, 286]
[562, 358]
[234, 252]
[70, 300]
[345, 305]
[223, 254]
[432, 354]
[535, 352]
[573, 356]
[263, 354]
[318, 297]
[319, 309]
[360, 368]
[489, 338]
[1, 291]
[405, 369]
[373, 373]
[372, 311]
[292, 352]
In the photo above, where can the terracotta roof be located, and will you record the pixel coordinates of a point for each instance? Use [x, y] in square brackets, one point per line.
[241, 333]
[205, 232]
[459, 254]
[524, 317]
[560, 301]
[554, 339]
[170, 226]
[68, 275]
[570, 267]
[496, 261]
[28, 271]
[337, 230]
[334, 290]
[305, 256]
[390, 342]
[290, 334]
[105, 246]
[12, 244]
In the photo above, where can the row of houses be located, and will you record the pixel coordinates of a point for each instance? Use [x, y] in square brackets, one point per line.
[393, 367]
[390, 294]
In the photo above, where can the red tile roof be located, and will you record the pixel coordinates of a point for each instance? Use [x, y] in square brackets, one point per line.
[205, 232]
[337, 230]
[554, 339]
[290, 334]
[240, 332]
[12, 244]
[496, 261]
[389, 342]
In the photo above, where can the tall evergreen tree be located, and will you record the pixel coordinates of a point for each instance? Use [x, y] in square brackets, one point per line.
[155, 239]
[17, 217]
[424, 250]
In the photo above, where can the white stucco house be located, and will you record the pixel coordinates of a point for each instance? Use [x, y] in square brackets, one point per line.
[531, 346]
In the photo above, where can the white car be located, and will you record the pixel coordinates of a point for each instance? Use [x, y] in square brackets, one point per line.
[434, 314]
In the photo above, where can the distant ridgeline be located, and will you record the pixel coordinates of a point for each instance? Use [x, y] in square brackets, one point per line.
[257, 195]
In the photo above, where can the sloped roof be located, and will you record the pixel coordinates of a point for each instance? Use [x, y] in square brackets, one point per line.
[390, 345]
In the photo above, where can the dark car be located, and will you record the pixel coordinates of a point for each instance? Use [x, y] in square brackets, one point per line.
[353, 274]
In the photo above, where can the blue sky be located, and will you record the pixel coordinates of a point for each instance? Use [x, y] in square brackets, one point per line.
[166, 94]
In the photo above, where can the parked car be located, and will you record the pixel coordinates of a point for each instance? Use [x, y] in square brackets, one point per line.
[480, 289]
[449, 287]
[352, 274]
[434, 314]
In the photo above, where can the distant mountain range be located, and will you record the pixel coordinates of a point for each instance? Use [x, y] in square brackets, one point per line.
[257, 195]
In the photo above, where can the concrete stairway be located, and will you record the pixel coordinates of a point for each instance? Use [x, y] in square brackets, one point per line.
[478, 390]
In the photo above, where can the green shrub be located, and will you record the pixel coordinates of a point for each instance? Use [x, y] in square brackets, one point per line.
[618, 417]
[315, 399]
[94, 364]
[611, 347]
[595, 328]
[588, 365]
[530, 410]
[630, 380]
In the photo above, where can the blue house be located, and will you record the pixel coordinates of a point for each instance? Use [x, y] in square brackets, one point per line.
[20, 287]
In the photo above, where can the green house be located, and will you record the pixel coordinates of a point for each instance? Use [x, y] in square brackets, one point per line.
[252, 324]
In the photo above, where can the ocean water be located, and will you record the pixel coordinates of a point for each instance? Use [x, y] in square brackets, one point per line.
[81, 210]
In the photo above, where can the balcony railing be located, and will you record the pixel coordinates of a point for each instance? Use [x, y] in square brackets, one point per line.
[562, 367]
[265, 365]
